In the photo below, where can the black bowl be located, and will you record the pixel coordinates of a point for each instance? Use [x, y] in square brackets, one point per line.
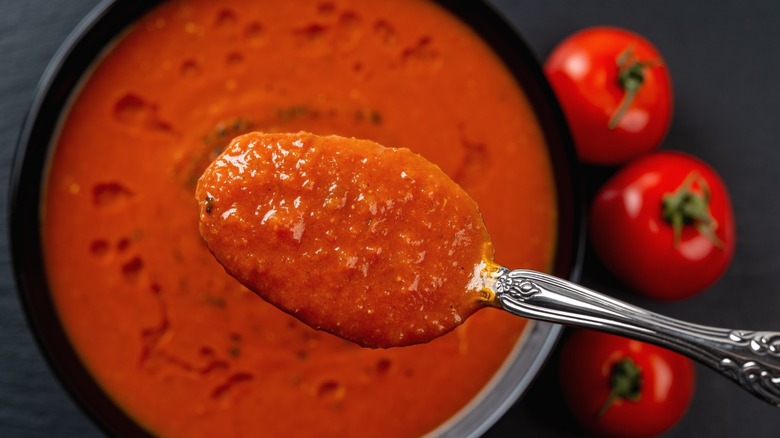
[61, 80]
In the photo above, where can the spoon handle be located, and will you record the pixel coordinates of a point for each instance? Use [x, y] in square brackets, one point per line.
[750, 358]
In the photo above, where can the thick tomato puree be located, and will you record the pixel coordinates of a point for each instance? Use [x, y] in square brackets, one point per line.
[373, 244]
[180, 345]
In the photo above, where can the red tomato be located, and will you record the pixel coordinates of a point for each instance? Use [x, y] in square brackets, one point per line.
[620, 387]
[664, 225]
[615, 91]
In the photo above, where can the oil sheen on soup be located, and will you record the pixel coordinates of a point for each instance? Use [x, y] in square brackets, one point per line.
[181, 346]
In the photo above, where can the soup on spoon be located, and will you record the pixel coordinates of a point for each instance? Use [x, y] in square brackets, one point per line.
[376, 245]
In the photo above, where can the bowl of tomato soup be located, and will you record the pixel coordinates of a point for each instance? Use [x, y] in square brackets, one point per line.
[143, 325]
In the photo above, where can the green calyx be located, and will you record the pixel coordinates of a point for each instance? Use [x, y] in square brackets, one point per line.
[625, 383]
[685, 207]
[631, 76]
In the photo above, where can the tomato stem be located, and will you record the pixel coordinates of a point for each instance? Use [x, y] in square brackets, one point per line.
[625, 383]
[686, 207]
[631, 76]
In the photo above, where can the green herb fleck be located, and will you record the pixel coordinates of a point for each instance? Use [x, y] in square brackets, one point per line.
[296, 111]
[215, 301]
[371, 115]
[209, 203]
[235, 345]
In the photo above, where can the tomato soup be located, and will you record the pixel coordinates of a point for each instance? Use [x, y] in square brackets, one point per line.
[180, 345]
[397, 252]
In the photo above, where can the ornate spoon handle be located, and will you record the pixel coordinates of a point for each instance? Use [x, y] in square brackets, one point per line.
[750, 358]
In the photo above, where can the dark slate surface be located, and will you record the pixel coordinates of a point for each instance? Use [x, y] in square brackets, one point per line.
[724, 61]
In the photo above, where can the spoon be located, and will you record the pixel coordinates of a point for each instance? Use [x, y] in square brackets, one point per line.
[378, 246]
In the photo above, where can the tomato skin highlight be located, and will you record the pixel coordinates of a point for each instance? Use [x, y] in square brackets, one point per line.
[632, 238]
[584, 73]
[667, 385]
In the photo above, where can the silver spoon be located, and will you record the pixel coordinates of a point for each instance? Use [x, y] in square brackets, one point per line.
[749, 358]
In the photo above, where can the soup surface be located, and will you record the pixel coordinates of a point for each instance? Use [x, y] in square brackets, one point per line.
[181, 345]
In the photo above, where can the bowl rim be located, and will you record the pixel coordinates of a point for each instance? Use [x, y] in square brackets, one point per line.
[60, 81]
